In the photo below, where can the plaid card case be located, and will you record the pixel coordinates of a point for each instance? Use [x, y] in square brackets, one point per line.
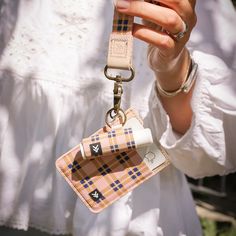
[101, 181]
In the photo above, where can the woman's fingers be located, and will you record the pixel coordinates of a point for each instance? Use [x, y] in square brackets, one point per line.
[167, 45]
[175, 4]
[163, 16]
[149, 35]
[169, 26]
[184, 8]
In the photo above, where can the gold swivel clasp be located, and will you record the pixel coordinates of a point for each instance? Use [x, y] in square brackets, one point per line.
[116, 111]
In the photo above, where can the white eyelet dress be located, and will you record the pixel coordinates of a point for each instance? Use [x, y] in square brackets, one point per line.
[53, 93]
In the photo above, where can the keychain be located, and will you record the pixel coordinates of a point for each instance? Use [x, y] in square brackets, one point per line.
[119, 57]
[121, 155]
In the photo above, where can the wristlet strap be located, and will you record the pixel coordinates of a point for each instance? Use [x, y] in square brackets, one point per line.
[121, 42]
[119, 57]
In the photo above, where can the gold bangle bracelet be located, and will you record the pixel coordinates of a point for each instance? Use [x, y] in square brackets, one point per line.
[187, 84]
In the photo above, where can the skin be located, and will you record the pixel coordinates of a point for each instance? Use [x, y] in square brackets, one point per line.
[171, 56]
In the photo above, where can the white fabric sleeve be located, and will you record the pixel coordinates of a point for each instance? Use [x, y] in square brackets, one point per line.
[208, 147]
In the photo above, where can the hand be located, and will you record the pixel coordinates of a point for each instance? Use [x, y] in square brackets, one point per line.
[167, 55]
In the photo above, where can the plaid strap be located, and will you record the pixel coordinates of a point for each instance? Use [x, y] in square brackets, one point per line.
[121, 42]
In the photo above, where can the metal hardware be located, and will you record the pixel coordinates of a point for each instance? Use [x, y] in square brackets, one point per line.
[116, 111]
[118, 91]
[118, 77]
[113, 114]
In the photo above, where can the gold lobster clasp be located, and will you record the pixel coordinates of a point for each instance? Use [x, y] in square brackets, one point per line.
[116, 111]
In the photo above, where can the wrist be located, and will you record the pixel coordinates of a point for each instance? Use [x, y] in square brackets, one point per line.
[175, 75]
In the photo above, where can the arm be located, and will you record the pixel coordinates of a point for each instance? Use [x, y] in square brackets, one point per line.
[208, 147]
[169, 56]
[178, 107]
[205, 117]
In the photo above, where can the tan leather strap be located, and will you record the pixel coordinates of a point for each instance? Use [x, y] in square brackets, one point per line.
[119, 57]
[121, 42]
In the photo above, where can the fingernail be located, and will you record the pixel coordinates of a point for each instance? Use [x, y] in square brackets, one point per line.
[122, 4]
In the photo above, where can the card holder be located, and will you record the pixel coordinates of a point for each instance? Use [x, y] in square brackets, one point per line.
[104, 179]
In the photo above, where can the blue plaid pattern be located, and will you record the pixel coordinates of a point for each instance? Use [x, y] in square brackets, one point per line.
[86, 182]
[134, 173]
[116, 185]
[123, 157]
[128, 131]
[122, 23]
[95, 138]
[114, 148]
[104, 169]
[74, 166]
[131, 145]
[111, 134]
